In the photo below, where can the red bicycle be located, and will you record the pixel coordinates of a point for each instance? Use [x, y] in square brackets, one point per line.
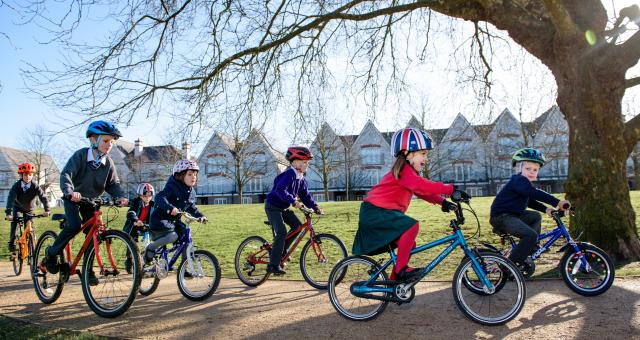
[317, 259]
[105, 252]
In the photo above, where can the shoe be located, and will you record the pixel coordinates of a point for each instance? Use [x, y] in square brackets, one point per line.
[12, 256]
[93, 280]
[408, 274]
[12, 247]
[51, 262]
[275, 270]
[128, 265]
[148, 255]
[187, 275]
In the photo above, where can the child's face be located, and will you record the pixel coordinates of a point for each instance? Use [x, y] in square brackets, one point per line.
[105, 144]
[418, 159]
[146, 198]
[191, 178]
[530, 170]
[300, 165]
[27, 177]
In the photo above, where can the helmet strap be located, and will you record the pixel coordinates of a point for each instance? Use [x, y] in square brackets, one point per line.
[96, 160]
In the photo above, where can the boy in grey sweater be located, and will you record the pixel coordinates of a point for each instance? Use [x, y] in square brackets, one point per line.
[88, 173]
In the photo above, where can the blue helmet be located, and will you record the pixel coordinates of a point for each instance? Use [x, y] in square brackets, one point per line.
[101, 127]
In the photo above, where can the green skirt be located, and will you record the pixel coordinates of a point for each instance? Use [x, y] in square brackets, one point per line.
[378, 228]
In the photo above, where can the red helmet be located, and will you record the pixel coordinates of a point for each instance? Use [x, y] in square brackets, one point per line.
[26, 168]
[298, 152]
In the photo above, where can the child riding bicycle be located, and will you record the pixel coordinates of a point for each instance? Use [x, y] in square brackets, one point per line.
[287, 186]
[139, 214]
[88, 173]
[509, 212]
[178, 195]
[383, 222]
[22, 200]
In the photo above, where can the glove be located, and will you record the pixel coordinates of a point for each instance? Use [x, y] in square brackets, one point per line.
[203, 220]
[131, 215]
[448, 206]
[459, 195]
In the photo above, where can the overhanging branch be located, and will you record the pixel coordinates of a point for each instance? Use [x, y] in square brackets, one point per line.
[632, 82]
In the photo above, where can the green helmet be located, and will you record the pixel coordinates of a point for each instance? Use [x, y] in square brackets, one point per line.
[528, 154]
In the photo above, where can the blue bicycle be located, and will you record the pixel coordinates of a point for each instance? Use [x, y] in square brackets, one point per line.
[360, 290]
[585, 268]
[198, 275]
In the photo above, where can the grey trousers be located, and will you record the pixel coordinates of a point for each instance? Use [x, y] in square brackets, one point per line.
[525, 226]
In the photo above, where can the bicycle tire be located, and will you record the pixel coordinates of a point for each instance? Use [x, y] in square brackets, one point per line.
[48, 286]
[599, 262]
[198, 256]
[254, 245]
[331, 257]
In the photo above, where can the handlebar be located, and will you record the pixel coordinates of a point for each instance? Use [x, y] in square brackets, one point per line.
[190, 218]
[96, 202]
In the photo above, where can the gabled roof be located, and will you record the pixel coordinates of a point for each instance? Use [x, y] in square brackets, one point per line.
[157, 154]
[13, 157]
[484, 130]
[532, 127]
[437, 134]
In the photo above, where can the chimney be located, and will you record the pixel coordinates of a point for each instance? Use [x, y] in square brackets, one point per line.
[186, 151]
[138, 146]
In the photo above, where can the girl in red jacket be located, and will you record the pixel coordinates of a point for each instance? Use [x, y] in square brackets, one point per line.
[383, 222]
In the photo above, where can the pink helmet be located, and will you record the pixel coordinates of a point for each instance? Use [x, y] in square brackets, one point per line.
[185, 164]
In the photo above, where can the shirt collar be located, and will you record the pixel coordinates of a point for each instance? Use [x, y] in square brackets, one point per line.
[25, 186]
[90, 157]
[299, 175]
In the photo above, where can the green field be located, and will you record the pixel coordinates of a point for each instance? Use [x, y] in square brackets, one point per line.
[230, 224]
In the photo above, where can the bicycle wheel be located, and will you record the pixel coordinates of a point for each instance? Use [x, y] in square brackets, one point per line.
[30, 251]
[493, 272]
[116, 289]
[252, 258]
[17, 260]
[48, 286]
[148, 281]
[587, 283]
[318, 258]
[205, 276]
[350, 273]
[492, 308]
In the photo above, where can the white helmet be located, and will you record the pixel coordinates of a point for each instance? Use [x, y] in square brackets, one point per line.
[185, 164]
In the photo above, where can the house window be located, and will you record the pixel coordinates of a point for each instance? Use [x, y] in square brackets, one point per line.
[371, 156]
[318, 197]
[374, 177]
[255, 184]
[246, 200]
[462, 171]
[216, 164]
[220, 200]
[3, 195]
[474, 192]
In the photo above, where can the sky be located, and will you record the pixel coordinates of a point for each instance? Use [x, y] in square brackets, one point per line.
[434, 85]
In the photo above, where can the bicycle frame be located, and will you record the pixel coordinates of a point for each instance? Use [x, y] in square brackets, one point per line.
[455, 240]
[177, 249]
[22, 240]
[96, 227]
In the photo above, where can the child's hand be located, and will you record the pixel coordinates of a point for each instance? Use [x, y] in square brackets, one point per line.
[138, 223]
[203, 220]
[46, 213]
[75, 197]
[549, 211]
[8, 218]
[319, 211]
[564, 203]
[123, 201]
[174, 211]
[298, 205]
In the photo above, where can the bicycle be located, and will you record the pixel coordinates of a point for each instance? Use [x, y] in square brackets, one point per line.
[360, 290]
[198, 274]
[252, 256]
[24, 242]
[585, 268]
[108, 248]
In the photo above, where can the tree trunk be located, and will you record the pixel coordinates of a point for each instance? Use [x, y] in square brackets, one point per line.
[589, 95]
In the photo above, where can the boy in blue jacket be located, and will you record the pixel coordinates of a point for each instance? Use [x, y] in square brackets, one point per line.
[508, 210]
[178, 195]
[286, 187]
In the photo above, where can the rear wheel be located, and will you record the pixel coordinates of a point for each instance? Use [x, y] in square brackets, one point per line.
[204, 277]
[318, 257]
[252, 258]
[48, 286]
[115, 289]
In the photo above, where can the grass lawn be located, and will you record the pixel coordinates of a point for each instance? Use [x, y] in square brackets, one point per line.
[230, 224]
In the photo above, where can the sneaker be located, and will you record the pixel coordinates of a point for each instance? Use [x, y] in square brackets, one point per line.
[93, 280]
[187, 275]
[12, 247]
[148, 255]
[275, 270]
[51, 262]
[12, 256]
[128, 265]
[407, 274]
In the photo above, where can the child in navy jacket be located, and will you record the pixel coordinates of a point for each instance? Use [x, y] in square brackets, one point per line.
[508, 210]
[286, 187]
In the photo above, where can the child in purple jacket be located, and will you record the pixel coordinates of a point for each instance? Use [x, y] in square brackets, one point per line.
[286, 187]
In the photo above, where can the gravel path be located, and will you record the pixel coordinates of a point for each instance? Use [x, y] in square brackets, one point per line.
[292, 309]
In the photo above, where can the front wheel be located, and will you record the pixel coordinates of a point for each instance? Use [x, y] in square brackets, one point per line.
[493, 271]
[17, 259]
[592, 280]
[494, 307]
[201, 281]
[112, 291]
[48, 286]
[349, 293]
[252, 258]
[318, 258]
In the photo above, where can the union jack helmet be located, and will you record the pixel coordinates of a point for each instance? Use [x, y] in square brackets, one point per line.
[145, 188]
[410, 139]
